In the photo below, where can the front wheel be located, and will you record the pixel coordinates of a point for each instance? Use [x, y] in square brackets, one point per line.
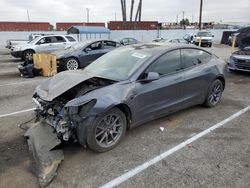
[214, 93]
[107, 131]
[71, 64]
[28, 55]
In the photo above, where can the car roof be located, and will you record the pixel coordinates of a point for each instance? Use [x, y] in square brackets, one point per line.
[157, 47]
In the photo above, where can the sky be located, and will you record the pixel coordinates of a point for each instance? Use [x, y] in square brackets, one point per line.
[106, 10]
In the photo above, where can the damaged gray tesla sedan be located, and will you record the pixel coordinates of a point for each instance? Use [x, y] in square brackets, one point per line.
[123, 89]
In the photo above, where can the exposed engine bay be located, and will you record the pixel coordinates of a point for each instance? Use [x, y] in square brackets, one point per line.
[245, 51]
[57, 121]
[65, 119]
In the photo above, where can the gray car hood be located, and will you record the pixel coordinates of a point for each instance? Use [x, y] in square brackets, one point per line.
[60, 83]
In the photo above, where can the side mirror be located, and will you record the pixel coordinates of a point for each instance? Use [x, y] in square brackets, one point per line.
[212, 35]
[195, 35]
[87, 50]
[151, 76]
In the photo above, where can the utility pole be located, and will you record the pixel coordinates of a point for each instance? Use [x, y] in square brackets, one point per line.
[192, 19]
[125, 10]
[131, 10]
[140, 10]
[28, 15]
[177, 19]
[87, 9]
[183, 16]
[201, 4]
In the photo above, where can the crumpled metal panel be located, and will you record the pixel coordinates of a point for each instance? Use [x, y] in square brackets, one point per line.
[60, 83]
[42, 140]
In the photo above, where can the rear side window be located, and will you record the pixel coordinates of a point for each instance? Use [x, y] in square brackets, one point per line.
[57, 39]
[71, 39]
[167, 63]
[125, 41]
[192, 57]
[109, 44]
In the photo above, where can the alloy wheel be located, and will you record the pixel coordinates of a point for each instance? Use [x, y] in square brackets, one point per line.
[215, 94]
[109, 130]
[29, 56]
[72, 64]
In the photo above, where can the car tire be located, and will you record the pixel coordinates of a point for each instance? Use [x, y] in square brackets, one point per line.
[107, 131]
[214, 93]
[28, 55]
[71, 64]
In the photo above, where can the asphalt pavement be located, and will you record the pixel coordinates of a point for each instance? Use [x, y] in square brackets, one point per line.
[218, 159]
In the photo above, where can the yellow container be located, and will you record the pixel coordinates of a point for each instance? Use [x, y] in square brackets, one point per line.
[46, 62]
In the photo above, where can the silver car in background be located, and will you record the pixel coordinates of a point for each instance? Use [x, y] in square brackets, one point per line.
[42, 44]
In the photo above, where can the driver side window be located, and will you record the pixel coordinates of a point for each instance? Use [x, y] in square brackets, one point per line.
[95, 46]
[44, 40]
[167, 63]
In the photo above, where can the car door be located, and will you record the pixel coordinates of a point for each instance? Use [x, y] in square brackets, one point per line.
[160, 96]
[58, 43]
[92, 52]
[198, 73]
[44, 45]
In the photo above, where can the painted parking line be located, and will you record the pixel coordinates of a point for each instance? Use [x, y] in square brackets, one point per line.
[9, 72]
[117, 181]
[18, 83]
[18, 112]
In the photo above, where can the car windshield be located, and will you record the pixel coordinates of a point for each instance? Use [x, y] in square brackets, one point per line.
[77, 45]
[35, 40]
[204, 34]
[118, 64]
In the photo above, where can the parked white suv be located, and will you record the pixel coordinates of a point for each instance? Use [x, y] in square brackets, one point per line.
[206, 38]
[42, 44]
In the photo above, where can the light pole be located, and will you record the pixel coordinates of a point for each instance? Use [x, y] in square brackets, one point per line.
[201, 4]
[87, 9]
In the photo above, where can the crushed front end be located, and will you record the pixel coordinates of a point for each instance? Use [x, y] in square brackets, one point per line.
[66, 117]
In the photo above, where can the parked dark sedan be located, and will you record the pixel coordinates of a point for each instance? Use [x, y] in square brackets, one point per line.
[82, 54]
[127, 87]
[120, 90]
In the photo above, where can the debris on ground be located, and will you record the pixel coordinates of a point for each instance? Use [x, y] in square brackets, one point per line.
[162, 129]
[42, 141]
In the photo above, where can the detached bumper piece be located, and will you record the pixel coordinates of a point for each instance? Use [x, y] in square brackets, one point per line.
[42, 142]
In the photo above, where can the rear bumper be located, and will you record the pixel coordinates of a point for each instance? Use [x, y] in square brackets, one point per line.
[16, 53]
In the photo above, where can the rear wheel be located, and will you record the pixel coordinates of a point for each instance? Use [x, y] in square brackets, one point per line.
[214, 94]
[71, 64]
[107, 131]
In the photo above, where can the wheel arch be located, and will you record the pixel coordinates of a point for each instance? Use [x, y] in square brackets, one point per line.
[126, 110]
[29, 49]
[73, 57]
[222, 79]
